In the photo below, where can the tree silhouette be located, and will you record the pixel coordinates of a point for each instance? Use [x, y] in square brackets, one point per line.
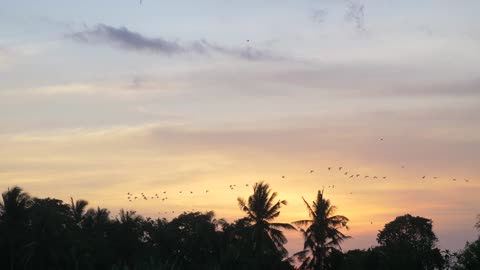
[50, 239]
[469, 257]
[322, 236]
[13, 219]
[477, 225]
[409, 243]
[41, 234]
[261, 209]
[77, 210]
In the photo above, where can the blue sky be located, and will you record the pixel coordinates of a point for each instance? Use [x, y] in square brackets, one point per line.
[100, 96]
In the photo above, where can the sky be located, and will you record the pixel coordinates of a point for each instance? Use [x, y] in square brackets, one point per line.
[101, 98]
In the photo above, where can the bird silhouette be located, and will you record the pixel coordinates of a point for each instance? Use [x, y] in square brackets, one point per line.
[311, 171]
[329, 168]
[340, 168]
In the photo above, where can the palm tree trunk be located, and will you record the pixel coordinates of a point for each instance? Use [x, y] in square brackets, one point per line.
[12, 255]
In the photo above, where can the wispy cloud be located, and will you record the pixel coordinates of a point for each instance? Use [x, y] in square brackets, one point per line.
[124, 38]
[318, 15]
[355, 14]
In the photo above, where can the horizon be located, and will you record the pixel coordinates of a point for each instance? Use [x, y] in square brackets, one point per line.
[101, 99]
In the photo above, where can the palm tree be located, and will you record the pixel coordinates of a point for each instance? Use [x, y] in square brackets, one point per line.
[128, 236]
[261, 210]
[13, 217]
[129, 217]
[99, 216]
[322, 236]
[77, 210]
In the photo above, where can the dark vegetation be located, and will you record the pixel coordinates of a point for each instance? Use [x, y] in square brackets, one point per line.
[49, 234]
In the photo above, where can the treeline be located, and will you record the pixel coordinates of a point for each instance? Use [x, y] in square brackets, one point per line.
[47, 233]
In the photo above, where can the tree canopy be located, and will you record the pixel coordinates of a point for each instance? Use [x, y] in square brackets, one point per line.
[46, 233]
[410, 243]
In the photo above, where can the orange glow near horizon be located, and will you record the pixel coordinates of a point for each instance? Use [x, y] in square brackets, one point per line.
[102, 167]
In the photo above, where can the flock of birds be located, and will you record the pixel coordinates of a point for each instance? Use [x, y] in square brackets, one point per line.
[342, 171]
[348, 174]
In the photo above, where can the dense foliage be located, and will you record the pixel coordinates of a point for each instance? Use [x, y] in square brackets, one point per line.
[47, 233]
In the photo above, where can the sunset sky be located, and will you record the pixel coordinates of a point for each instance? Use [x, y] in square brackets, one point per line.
[101, 98]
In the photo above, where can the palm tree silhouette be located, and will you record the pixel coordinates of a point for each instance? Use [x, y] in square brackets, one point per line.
[77, 210]
[261, 210]
[322, 236]
[99, 216]
[13, 217]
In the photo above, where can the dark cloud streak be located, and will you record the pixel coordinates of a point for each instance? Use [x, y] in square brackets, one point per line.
[126, 39]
